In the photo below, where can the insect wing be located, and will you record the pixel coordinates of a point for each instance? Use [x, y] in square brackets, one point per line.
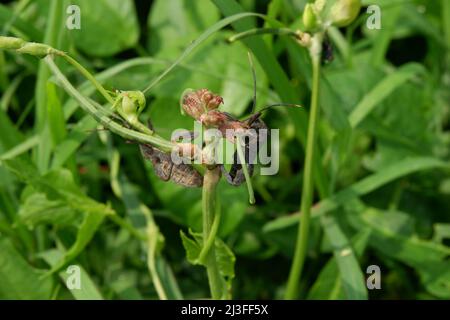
[165, 169]
[162, 164]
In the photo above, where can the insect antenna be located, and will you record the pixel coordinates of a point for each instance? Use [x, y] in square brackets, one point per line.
[258, 114]
[252, 66]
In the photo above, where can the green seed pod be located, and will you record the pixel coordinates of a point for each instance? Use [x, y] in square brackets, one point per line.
[310, 18]
[36, 49]
[9, 43]
[343, 12]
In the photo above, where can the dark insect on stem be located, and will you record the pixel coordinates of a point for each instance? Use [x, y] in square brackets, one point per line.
[163, 166]
[236, 175]
[253, 142]
[327, 51]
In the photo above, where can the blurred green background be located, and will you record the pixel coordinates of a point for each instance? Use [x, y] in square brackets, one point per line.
[383, 161]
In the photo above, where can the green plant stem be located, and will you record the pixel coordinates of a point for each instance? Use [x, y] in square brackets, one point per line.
[251, 194]
[52, 35]
[210, 181]
[88, 76]
[212, 235]
[260, 31]
[121, 222]
[135, 123]
[126, 133]
[153, 235]
[307, 192]
[51, 38]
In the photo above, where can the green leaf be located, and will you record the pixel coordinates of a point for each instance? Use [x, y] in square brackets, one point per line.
[140, 216]
[328, 284]
[37, 209]
[192, 248]
[430, 259]
[54, 33]
[107, 27]
[24, 27]
[88, 289]
[204, 36]
[352, 278]
[410, 250]
[13, 137]
[233, 80]
[55, 114]
[441, 232]
[186, 21]
[20, 148]
[67, 147]
[168, 279]
[360, 188]
[59, 185]
[436, 278]
[446, 20]
[91, 222]
[383, 37]
[383, 89]
[19, 280]
[225, 257]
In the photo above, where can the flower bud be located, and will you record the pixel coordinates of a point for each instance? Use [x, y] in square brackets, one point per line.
[213, 118]
[196, 103]
[192, 105]
[212, 101]
[36, 49]
[138, 98]
[128, 106]
[343, 12]
[133, 102]
[9, 43]
[310, 17]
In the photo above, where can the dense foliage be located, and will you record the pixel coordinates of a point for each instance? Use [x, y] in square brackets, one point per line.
[74, 194]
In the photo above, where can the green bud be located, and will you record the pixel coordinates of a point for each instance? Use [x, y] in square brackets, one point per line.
[9, 43]
[128, 106]
[36, 49]
[138, 99]
[343, 12]
[133, 102]
[310, 18]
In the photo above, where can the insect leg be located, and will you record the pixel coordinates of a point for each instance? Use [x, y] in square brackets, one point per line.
[228, 175]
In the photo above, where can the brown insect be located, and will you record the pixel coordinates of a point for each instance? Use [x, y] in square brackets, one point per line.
[165, 169]
[236, 175]
[202, 105]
